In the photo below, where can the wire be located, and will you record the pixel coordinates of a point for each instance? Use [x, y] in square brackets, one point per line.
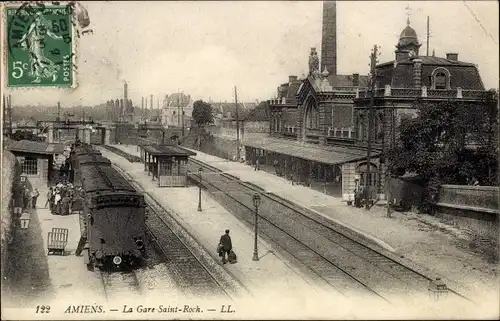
[478, 21]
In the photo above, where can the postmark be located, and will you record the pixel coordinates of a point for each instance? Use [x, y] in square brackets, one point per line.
[40, 45]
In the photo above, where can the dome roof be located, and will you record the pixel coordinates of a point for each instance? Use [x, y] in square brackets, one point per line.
[408, 36]
[408, 32]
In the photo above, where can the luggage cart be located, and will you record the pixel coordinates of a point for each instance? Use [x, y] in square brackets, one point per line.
[57, 241]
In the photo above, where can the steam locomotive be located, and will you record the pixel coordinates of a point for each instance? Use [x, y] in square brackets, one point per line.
[112, 222]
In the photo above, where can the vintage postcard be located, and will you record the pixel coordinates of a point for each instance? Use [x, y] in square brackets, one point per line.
[249, 160]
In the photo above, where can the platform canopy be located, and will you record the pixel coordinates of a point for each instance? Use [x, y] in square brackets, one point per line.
[326, 155]
[166, 150]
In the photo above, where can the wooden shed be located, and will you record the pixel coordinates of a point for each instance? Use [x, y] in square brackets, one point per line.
[166, 163]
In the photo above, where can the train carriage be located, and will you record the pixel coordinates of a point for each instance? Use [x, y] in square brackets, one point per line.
[77, 152]
[87, 160]
[113, 220]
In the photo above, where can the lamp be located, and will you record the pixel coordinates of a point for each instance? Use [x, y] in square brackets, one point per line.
[200, 170]
[256, 203]
[25, 220]
[437, 289]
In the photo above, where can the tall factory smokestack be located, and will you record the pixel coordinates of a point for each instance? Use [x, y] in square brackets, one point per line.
[151, 102]
[125, 98]
[329, 38]
[125, 91]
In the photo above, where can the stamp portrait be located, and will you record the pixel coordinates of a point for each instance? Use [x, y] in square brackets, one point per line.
[40, 45]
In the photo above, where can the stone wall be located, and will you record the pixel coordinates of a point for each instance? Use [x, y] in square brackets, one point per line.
[482, 197]
[11, 171]
[474, 209]
[213, 145]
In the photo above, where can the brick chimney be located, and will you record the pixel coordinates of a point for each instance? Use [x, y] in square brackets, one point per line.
[291, 79]
[401, 55]
[355, 80]
[452, 56]
[417, 73]
[329, 38]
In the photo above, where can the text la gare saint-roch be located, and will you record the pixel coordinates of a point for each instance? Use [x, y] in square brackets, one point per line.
[143, 309]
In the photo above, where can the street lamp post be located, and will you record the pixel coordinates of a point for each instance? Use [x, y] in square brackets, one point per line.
[256, 203]
[200, 170]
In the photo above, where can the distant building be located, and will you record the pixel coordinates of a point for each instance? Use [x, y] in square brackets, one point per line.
[177, 110]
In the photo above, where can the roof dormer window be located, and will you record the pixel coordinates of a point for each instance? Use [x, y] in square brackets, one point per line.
[440, 80]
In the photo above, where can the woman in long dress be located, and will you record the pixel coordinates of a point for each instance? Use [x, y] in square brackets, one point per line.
[34, 41]
[65, 204]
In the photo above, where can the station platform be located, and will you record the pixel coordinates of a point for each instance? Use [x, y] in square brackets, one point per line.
[264, 279]
[68, 272]
[419, 239]
[41, 279]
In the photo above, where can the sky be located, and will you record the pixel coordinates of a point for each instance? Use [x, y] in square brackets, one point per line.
[206, 48]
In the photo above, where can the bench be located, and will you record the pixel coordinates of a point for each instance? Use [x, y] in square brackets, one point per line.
[57, 241]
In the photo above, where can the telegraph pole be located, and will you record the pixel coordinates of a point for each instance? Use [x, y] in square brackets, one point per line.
[182, 119]
[373, 78]
[178, 110]
[237, 125]
[428, 35]
[142, 107]
[158, 105]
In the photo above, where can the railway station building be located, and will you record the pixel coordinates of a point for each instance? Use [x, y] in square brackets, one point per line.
[319, 124]
[37, 159]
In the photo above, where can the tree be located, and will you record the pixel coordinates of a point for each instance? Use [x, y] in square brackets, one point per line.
[450, 142]
[202, 113]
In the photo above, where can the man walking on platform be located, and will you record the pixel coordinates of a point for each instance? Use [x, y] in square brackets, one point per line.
[227, 246]
[257, 165]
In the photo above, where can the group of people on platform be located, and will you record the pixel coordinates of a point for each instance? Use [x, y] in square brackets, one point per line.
[64, 198]
[28, 198]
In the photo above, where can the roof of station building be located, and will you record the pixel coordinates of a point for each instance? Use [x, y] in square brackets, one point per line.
[28, 146]
[327, 155]
[166, 150]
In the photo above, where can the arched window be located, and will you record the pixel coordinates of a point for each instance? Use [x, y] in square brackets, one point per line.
[440, 80]
[312, 115]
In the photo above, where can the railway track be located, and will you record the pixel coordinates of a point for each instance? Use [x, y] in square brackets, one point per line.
[345, 263]
[120, 285]
[193, 271]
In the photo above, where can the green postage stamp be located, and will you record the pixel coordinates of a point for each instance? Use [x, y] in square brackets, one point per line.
[39, 45]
